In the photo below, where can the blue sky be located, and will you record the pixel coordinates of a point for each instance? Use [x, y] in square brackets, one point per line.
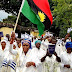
[3, 15]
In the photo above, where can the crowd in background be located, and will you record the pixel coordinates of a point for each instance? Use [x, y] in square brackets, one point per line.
[32, 54]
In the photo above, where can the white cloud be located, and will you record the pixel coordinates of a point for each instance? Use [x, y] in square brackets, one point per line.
[3, 15]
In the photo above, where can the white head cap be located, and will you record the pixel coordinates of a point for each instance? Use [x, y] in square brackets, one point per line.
[4, 41]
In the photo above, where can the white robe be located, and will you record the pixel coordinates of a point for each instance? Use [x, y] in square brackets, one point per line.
[23, 61]
[12, 59]
[38, 54]
[50, 64]
[66, 59]
[3, 57]
[35, 57]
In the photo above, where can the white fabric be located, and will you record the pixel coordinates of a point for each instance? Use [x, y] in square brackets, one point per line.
[14, 56]
[50, 64]
[44, 45]
[16, 35]
[23, 61]
[33, 44]
[22, 36]
[68, 40]
[69, 30]
[60, 48]
[3, 55]
[35, 57]
[66, 59]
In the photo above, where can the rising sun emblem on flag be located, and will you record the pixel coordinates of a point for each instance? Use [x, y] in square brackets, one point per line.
[42, 16]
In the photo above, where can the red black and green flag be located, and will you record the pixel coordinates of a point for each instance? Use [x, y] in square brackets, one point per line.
[38, 12]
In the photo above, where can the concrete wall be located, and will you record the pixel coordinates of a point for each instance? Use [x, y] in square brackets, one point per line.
[6, 30]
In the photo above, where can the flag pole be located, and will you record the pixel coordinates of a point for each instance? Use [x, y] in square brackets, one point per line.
[17, 20]
[18, 15]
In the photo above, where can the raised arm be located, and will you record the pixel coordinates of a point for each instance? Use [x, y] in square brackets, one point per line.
[14, 52]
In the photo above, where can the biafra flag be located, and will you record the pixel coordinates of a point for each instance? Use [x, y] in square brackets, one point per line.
[38, 12]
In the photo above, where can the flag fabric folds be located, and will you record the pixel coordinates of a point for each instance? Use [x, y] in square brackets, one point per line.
[38, 12]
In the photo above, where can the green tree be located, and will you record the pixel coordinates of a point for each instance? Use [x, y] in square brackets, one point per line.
[10, 19]
[13, 6]
[62, 14]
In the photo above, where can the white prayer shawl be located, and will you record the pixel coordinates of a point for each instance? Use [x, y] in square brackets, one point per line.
[38, 52]
[13, 58]
[20, 50]
[35, 57]
[8, 45]
[66, 59]
[13, 54]
[23, 60]
[45, 45]
[60, 49]
[50, 64]
[3, 55]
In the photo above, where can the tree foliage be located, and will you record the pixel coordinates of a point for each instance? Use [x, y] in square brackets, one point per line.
[10, 19]
[62, 14]
[13, 6]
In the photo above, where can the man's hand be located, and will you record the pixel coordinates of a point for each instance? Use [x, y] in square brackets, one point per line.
[29, 64]
[11, 41]
[13, 35]
[67, 66]
[55, 54]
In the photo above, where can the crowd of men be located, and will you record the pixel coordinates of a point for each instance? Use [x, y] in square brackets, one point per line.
[34, 54]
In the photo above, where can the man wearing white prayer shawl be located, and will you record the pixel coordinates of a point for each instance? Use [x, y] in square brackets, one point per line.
[26, 44]
[50, 64]
[12, 56]
[36, 54]
[46, 43]
[4, 51]
[60, 47]
[66, 58]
